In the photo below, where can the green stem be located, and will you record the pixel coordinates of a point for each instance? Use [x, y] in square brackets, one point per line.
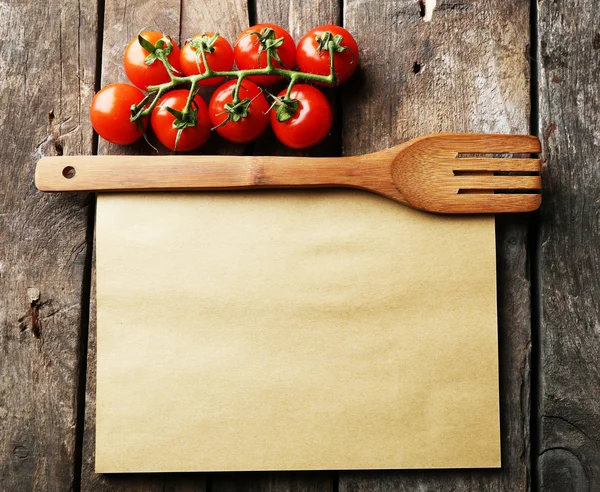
[240, 75]
[148, 110]
[236, 91]
[190, 98]
[331, 68]
[288, 74]
[207, 71]
[155, 101]
[290, 86]
[165, 62]
[269, 59]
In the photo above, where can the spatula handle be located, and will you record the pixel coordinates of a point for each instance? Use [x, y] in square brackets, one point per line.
[127, 173]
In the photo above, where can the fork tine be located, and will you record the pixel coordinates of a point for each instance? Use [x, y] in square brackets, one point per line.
[475, 143]
[493, 203]
[497, 182]
[474, 164]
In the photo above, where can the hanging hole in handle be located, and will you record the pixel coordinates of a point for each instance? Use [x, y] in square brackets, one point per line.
[69, 172]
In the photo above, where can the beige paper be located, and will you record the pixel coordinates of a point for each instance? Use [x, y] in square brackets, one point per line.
[324, 329]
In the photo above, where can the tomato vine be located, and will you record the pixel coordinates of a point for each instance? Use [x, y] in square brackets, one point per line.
[264, 54]
[176, 80]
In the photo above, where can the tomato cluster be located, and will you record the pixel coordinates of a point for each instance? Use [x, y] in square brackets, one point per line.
[240, 109]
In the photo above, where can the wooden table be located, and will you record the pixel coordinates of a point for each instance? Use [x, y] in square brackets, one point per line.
[510, 66]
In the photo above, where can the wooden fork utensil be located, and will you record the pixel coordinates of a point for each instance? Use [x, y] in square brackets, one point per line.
[458, 173]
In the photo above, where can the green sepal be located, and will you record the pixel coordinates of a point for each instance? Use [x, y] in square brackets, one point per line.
[329, 41]
[287, 109]
[190, 119]
[182, 125]
[239, 110]
[204, 43]
[150, 59]
[138, 109]
[271, 50]
[147, 45]
[273, 43]
[158, 51]
[183, 120]
[162, 56]
[269, 43]
[167, 46]
[178, 114]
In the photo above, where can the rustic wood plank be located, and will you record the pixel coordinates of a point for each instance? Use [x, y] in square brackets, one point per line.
[227, 18]
[47, 62]
[466, 70]
[274, 482]
[122, 21]
[569, 409]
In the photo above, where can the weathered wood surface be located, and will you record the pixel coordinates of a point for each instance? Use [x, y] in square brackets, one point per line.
[47, 69]
[569, 261]
[274, 482]
[122, 21]
[466, 70]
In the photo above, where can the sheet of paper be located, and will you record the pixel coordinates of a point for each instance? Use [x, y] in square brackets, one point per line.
[293, 330]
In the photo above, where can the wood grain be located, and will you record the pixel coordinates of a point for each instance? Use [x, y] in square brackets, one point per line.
[274, 482]
[569, 260]
[47, 62]
[466, 70]
[419, 173]
[122, 21]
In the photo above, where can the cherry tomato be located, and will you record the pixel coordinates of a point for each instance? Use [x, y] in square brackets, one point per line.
[313, 53]
[164, 123]
[111, 110]
[143, 75]
[248, 127]
[310, 123]
[247, 47]
[219, 60]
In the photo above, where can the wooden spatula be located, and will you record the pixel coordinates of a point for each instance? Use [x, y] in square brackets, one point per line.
[432, 173]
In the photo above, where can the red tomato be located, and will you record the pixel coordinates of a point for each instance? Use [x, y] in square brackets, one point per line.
[313, 55]
[248, 127]
[219, 60]
[164, 123]
[111, 110]
[310, 123]
[142, 74]
[247, 46]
